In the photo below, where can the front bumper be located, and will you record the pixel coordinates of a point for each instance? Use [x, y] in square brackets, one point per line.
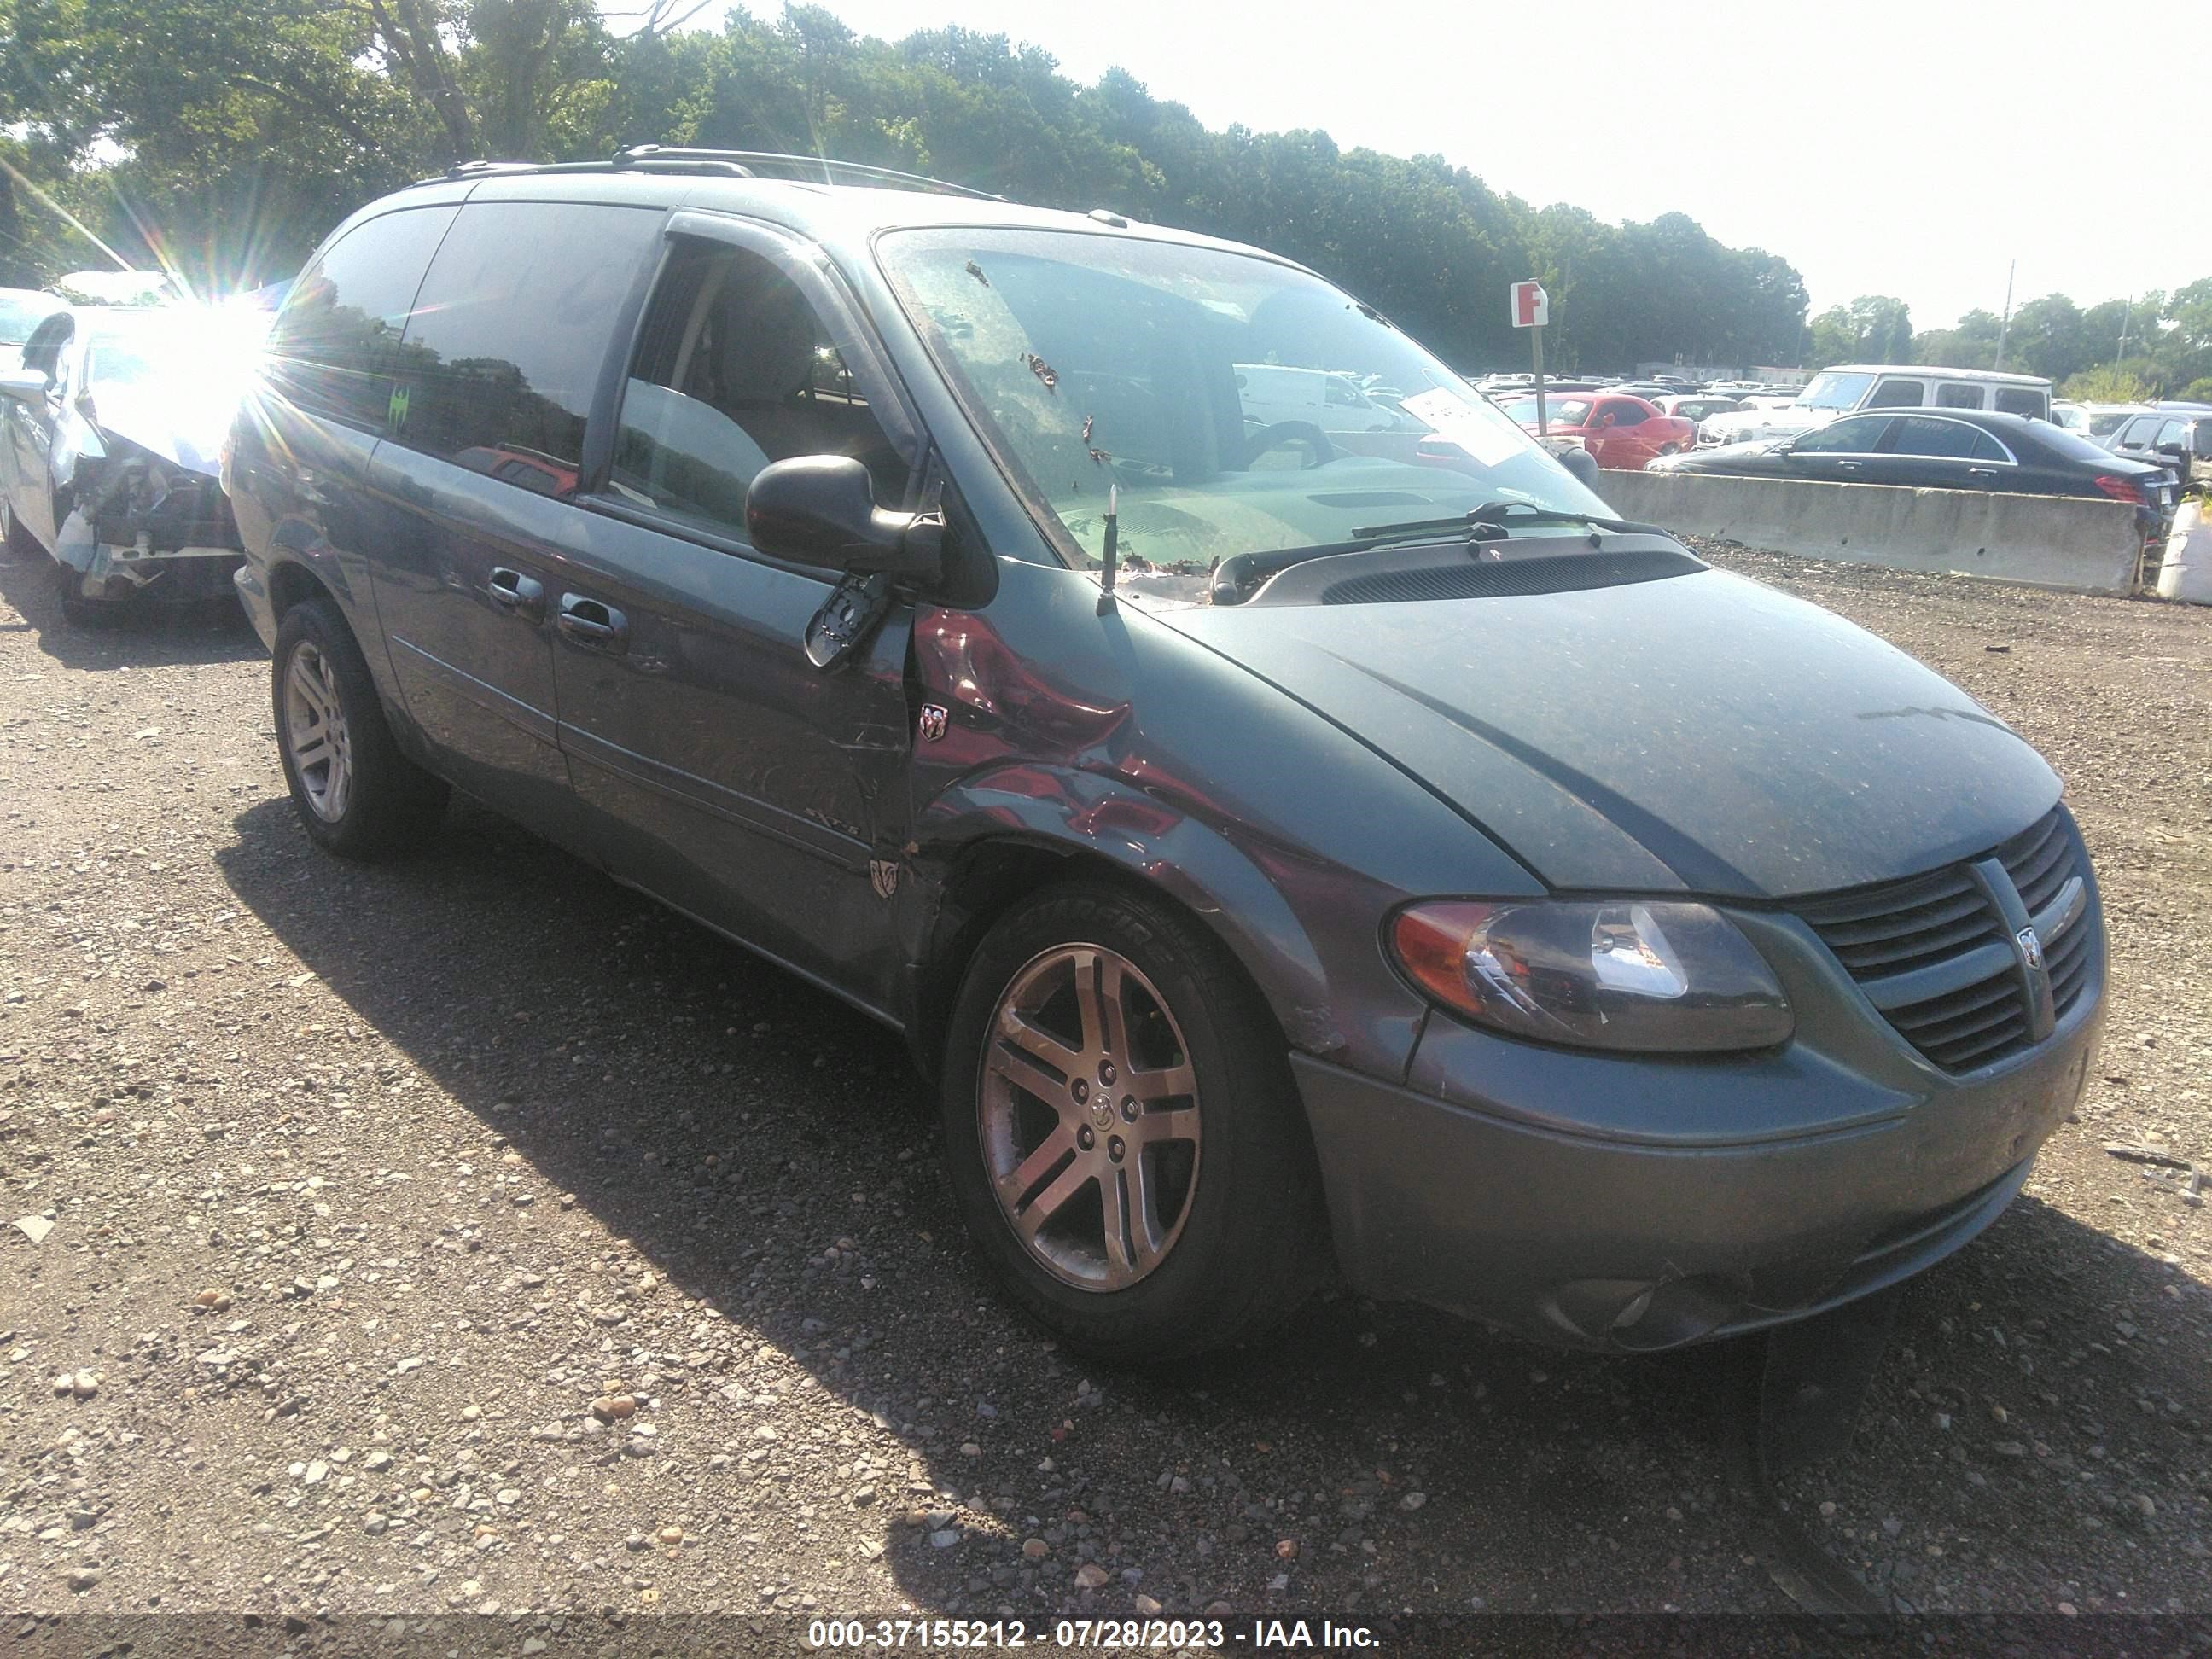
[1635, 1203]
[116, 571]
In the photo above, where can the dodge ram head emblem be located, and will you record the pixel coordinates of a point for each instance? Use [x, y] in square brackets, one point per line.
[2031, 949]
[933, 722]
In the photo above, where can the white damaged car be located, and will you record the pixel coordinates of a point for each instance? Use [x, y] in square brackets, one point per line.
[110, 437]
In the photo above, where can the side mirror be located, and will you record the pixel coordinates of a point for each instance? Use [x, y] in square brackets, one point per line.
[2174, 451]
[821, 510]
[24, 385]
[1582, 466]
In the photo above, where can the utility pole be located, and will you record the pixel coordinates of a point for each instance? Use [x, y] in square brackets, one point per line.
[2005, 324]
[2127, 316]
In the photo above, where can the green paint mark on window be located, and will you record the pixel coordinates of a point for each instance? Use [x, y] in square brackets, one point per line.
[395, 414]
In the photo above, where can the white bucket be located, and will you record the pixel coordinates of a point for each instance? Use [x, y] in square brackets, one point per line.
[2187, 572]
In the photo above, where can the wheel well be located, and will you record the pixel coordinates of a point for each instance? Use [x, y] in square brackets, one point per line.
[984, 882]
[290, 584]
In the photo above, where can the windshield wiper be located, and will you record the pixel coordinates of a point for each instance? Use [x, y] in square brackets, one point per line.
[1500, 515]
[1236, 576]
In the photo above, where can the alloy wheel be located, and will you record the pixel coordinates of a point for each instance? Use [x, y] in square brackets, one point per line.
[1089, 1111]
[315, 734]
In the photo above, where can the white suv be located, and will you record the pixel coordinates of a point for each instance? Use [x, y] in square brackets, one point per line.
[1849, 387]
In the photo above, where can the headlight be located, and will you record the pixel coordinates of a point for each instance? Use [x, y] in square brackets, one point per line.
[1652, 976]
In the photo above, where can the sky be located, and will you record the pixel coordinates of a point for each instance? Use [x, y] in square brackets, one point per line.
[1912, 149]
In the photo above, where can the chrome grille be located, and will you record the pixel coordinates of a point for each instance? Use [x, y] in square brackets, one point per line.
[1936, 953]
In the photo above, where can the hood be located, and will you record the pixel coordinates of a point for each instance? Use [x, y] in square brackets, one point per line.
[176, 418]
[1702, 732]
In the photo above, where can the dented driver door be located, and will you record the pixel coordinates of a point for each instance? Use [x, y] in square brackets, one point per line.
[729, 776]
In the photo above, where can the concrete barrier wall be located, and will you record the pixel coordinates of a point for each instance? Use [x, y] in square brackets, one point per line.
[2051, 540]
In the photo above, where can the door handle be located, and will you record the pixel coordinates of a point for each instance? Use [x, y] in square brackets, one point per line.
[1848, 466]
[1981, 472]
[587, 621]
[512, 591]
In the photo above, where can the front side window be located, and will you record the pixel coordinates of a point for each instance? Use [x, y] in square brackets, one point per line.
[1860, 437]
[335, 346]
[1091, 362]
[2023, 400]
[735, 369]
[2139, 430]
[1898, 394]
[1953, 394]
[1833, 390]
[2170, 432]
[503, 346]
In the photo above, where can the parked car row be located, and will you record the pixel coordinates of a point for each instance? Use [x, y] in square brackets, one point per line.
[1849, 387]
[1947, 449]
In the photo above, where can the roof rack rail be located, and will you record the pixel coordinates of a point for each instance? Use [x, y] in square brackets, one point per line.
[730, 163]
[832, 170]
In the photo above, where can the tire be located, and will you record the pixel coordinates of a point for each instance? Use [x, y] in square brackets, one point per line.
[1234, 1235]
[356, 793]
[20, 544]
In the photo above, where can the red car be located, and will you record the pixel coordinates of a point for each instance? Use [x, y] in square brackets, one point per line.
[1623, 432]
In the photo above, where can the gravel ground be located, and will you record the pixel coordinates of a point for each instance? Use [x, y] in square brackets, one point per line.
[470, 1235]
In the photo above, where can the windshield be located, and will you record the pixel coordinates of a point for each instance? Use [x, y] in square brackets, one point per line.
[188, 359]
[1217, 392]
[1829, 390]
[2103, 425]
[1563, 412]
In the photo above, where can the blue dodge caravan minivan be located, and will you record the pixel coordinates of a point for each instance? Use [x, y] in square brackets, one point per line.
[1284, 841]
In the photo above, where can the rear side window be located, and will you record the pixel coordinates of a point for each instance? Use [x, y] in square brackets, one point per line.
[1952, 394]
[1858, 437]
[335, 347]
[1917, 434]
[2023, 400]
[1898, 394]
[1625, 413]
[505, 344]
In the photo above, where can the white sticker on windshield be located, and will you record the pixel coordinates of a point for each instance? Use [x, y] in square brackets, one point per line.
[1482, 432]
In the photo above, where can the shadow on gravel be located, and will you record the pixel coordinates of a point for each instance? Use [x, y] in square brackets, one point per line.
[142, 637]
[731, 1123]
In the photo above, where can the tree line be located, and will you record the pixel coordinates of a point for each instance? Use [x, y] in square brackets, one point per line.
[225, 138]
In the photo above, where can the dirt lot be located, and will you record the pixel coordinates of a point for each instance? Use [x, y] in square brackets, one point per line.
[457, 1149]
